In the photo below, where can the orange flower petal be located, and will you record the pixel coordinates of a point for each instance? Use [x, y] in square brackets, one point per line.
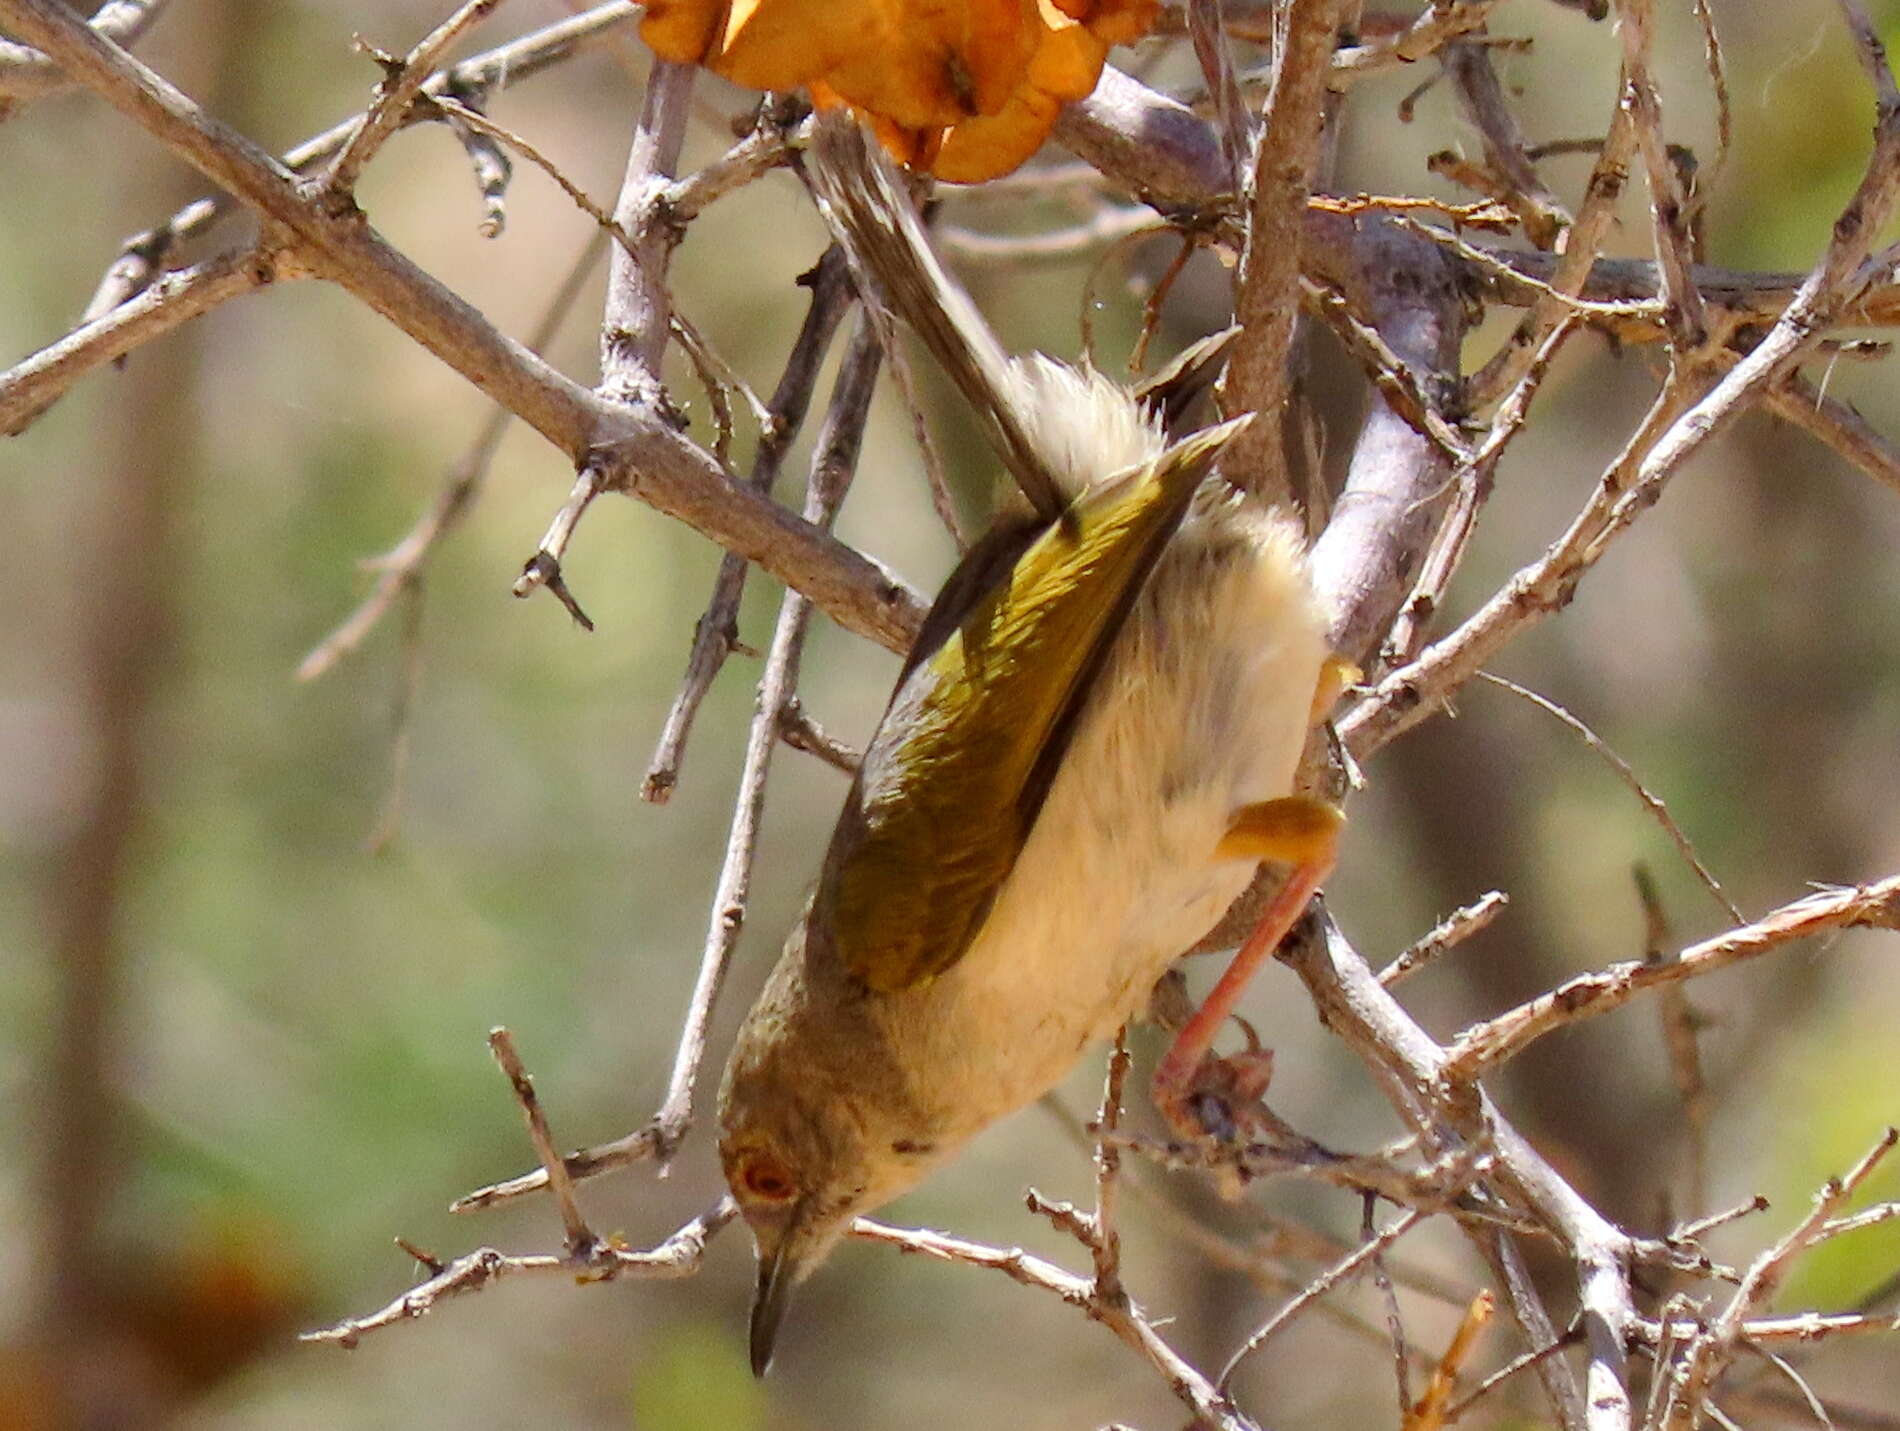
[1121, 22]
[1069, 57]
[989, 145]
[968, 88]
[681, 30]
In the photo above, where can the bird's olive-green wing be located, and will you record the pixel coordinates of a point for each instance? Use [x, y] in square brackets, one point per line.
[955, 775]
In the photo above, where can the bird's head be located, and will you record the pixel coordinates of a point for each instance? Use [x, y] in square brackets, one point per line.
[814, 1131]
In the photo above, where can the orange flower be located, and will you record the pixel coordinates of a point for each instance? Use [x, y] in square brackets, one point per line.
[966, 89]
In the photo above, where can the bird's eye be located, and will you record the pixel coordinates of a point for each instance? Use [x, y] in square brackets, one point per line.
[764, 1176]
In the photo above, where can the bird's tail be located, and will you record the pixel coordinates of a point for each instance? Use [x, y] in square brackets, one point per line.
[1055, 428]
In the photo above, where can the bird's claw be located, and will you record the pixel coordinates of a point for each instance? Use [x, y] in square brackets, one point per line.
[1224, 1100]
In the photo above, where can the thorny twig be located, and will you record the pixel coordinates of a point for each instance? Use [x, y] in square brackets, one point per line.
[833, 462]
[678, 1256]
[1487, 1044]
[1709, 1350]
[1447, 934]
[403, 80]
[716, 634]
[400, 568]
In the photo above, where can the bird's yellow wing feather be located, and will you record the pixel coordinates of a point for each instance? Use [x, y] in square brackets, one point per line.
[956, 774]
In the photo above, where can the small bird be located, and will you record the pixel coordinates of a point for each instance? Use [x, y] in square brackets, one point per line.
[1089, 751]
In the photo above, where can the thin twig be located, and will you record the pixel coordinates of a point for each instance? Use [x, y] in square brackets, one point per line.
[1234, 122]
[1636, 480]
[801, 732]
[470, 80]
[580, 1237]
[1694, 1231]
[1110, 223]
[1481, 95]
[544, 567]
[1346, 1267]
[634, 325]
[36, 382]
[1837, 426]
[1486, 1045]
[833, 463]
[1681, 1024]
[455, 111]
[1709, 1353]
[401, 567]
[716, 634]
[1668, 205]
[1474, 481]
[26, 74]
[1205, 1400]
[679, 1256]
[1522, 1362]
[634, 452]
[402, 84]
[1447, 934]
[1582, 243]
[1266, 301]
[1106, 1246]
[1627, 774]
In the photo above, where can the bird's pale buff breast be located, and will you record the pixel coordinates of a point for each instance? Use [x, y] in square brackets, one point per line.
[1197, 716]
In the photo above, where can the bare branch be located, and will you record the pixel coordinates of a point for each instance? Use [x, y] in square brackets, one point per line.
[471, 81]
[31, 386]
[1486, 1045]
[801, 732]
[400, 568]
[26, 74]
[1447, 934]
[833, 463]
[1204, 1399]
[1636, 479]
[1709, 1352]
[1570, 271]
[1436, 27]
[402, 84]
[634, 327]
[1265, 303]
[580, 1238]
[716, 634]
[632, 451]
[1482, 95]
[679, 1256]
[1348, 1266]
[1668, 205]
[1837, 426]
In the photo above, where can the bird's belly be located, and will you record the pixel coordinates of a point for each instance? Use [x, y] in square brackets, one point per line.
[1193, 718]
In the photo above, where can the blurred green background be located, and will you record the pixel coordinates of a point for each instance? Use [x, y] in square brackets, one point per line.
[238, 1051]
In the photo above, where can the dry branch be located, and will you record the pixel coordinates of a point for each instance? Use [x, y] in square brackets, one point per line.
[1488, 1044]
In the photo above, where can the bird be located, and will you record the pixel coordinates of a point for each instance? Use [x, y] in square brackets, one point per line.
[1090, 749]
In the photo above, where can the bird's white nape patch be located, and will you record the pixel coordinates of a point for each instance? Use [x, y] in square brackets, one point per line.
[1084, 425]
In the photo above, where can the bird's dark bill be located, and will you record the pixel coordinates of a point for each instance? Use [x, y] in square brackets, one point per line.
[776, 1276]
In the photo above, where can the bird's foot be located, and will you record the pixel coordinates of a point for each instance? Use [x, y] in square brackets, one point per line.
[1222, 1112]
[1224, 1098]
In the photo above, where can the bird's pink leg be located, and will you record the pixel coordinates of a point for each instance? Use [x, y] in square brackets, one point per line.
[1306, 832]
